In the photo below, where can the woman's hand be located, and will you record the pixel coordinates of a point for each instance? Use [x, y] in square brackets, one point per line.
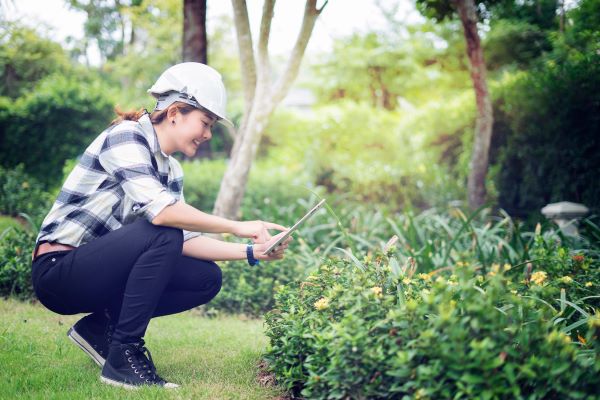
[258, 231]
[277, 253]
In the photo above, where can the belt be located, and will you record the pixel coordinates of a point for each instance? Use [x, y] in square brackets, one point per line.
[47, 247]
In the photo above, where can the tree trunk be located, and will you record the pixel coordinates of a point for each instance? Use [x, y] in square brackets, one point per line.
[194, 31]
[195, 49]
[261, 96]
[483, 125]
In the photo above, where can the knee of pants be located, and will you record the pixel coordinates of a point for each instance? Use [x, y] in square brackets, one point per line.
[172, 235]
[216, 275]
[214, 278]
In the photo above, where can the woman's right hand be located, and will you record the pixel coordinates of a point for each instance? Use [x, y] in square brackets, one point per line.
[277, 253]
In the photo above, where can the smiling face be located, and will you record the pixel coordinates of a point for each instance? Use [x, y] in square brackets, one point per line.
[191, 130]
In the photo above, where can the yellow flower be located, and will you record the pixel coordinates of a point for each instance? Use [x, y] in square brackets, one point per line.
[539, 277]
[566, 279]
[556, 336]
[406, 281]
[420, 394]
[377, 291]
[507, 267]
[491, 273]
[594, 321]
[322, 303]
[425, 277]
[25, 185]
[513, 291]
[589, 284]
[480, 278]
[495, 268]
[461, 263]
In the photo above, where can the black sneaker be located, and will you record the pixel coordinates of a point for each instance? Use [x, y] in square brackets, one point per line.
[128, 366]
[92, 334]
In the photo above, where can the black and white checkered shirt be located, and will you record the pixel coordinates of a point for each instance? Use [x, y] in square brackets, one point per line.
[121, 176]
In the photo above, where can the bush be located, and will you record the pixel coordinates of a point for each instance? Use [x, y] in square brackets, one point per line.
[16, 246]
[376, 330]
[270, 189]
[52, 123]
[26, 58]
[249, 290]
[552, 152]
[19, 193]
[376, 155]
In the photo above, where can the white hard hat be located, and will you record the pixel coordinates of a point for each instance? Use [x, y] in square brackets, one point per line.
[192, 83]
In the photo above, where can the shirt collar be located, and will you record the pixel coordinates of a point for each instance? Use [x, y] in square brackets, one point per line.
[150, 132]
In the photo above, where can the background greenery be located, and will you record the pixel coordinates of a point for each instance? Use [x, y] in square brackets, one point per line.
[388, 143]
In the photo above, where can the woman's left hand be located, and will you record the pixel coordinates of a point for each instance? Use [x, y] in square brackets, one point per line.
[258, 231]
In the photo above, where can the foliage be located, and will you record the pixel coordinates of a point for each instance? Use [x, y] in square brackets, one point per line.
[36, 131]
[374, 329]
[155, 47]
[25, 58]
[103, 21]
[364, 68]
[398, 67]
[584, 33]
[19, 193]
[16, 245]
[249, 290]
[514, 43]
[375, 155]
[551, 152]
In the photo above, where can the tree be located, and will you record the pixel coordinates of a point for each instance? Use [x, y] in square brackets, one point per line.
[194, 31]
[195, 48]
[26, 58]
[104, 19]
[468, 14]
[261, 95]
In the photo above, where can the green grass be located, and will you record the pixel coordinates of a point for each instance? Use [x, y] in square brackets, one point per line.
[210, 358]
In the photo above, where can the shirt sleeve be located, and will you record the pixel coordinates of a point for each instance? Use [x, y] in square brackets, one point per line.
[187, 235]
[127, 157]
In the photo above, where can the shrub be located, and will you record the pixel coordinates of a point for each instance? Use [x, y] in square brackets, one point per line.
[249, 290]
[376, 155]
[52, 123]
[19, 193]
[25, 58]
[270, 191]
[551, 152]
[376, 330]
[16, 246]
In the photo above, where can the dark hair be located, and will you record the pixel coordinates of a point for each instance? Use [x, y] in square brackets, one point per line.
[156, 117]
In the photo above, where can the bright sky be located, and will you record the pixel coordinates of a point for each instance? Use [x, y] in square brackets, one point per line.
[340, 18]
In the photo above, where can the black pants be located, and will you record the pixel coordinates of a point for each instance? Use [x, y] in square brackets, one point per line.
[136, 272]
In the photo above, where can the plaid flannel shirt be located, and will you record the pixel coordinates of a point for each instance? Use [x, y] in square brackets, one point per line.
[121, 176]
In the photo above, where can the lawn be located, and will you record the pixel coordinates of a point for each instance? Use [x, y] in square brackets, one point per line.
[211, 358]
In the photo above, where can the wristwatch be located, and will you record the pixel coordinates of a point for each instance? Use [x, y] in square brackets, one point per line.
[250, 255]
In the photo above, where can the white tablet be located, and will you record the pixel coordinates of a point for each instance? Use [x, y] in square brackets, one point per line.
[293, 228]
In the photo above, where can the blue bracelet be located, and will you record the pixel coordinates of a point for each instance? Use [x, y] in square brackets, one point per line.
[250, 255]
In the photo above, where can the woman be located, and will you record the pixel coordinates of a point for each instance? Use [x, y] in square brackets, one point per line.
[121, 244]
